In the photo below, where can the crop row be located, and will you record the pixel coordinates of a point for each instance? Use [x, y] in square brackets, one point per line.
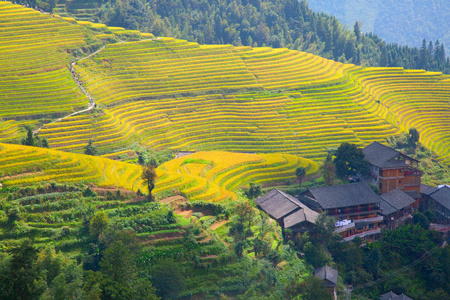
[34, 78]
[23, 165]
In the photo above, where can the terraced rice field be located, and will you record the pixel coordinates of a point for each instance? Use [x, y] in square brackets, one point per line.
[162, 68]
[34, 77]
[8, 130]
[207, 176]
[281, 101]
[21, 165]
[168, 93]
[218, 173]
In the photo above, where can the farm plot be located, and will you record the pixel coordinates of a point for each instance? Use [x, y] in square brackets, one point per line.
[163, 68]
[410, 98]
[21, 165]
[207, 176]
[226, 171]
[35, 80]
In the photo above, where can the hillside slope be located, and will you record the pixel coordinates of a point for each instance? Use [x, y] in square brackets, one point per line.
[180, 95]
[405, 22]
[36, 49]
[208, 176]
[169, 93]
[35, 80]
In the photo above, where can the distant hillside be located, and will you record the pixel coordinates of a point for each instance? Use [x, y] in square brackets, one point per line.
[405, 22]
[275, 23]
[169, 93]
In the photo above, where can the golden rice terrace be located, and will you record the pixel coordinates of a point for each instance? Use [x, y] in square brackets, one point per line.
[169, 93]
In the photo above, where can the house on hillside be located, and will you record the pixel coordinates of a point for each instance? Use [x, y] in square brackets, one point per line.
[329, 276]
[438, 200]
[391, 296]
[355, 206]
[391, 169]
[288, 211]
[396, 207]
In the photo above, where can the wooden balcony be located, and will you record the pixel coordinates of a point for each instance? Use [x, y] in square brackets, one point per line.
[363, 234]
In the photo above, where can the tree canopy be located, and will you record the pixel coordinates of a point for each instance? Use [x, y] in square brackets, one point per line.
[91, 149]
[275, 23]
[149, 176]
[349, 161]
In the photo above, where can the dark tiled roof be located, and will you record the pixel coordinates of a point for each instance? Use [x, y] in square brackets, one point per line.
[413, 194]
[276, 204]
[391, 296]
[384, 157]
[344, 195]
[304, 214]
[394, 201]
[327, 273]
[424, 188]
[281, 205]
[441, 195]
[388, 296]
[387, 209]
[311, 203]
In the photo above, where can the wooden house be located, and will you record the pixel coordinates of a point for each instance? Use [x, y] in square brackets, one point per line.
[392, 296]
[356, 202]
[329, 276]
[396, 206]
[438, 200]
[288, 211]
[391, 169]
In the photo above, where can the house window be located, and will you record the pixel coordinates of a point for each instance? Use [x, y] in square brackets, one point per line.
[399, 181]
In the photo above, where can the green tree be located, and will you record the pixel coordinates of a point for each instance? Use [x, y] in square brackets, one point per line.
[119, 269]
[246, 213]
[349, 161]
[91, 149]
[423, 61]
[314, 289]
[383, 56]
[315, 254]
[239, 249]
[98, 224]
[45, 143]
[253, 192]
[357, 31]
[142, 158]
[324, 229]
[372, 261]
[23, 273]
[421, 220]
[328, 170]
[414, 136]
[29, 140]
[300, 172]
[63, 277]
[149, 176]
[168, 279]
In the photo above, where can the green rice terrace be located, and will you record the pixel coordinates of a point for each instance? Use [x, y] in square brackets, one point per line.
[245, 118]
[168, 93]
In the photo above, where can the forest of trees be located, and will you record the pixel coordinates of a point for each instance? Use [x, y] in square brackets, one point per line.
[274, 23]
[405, 22]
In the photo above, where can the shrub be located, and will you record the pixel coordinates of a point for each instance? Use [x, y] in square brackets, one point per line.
[198, 215]
[89, 193]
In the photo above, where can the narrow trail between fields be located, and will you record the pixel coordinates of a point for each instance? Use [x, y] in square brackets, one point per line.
[78, 82]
